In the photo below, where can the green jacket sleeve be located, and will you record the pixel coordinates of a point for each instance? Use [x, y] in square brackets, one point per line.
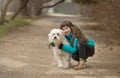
[69, 48]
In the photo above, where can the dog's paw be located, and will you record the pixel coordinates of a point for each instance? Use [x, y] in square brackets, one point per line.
[60, 66]
[66, 67]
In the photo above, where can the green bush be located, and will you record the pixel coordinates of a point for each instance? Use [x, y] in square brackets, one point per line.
[4, 29]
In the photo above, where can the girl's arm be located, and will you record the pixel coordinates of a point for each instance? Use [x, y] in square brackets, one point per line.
[69, 48]
[91, 42]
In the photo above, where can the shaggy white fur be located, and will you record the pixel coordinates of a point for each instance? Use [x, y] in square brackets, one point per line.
[57, 36]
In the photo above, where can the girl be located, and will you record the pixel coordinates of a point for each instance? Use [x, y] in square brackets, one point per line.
[81, 47]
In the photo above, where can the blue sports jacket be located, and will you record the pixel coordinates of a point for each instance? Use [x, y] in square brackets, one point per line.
[73, 49]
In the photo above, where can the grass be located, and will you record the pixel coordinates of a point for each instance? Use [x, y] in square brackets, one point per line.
[5, 28]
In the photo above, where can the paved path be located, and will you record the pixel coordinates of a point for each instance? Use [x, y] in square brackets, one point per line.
[25, 54]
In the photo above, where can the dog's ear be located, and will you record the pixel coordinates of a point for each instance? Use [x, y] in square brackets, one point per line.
[49, 46]
[49, 35]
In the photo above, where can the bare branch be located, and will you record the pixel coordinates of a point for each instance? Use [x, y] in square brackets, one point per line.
[46, 1]
[50, 6]
[53, 4]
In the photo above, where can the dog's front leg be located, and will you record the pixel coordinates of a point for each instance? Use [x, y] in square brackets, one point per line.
[67, 59]
[58, 57]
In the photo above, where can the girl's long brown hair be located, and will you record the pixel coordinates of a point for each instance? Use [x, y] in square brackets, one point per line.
[75, 30]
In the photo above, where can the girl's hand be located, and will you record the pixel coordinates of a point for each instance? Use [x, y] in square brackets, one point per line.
[52, 44]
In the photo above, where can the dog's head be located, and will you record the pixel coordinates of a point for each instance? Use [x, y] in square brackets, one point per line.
[56, 35]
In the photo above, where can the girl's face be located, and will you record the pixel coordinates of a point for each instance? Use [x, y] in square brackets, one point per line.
[66, 30]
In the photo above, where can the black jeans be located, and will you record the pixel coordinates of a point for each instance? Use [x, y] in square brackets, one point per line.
[83, 51]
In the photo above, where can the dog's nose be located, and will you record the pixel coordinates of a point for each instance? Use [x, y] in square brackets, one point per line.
[55, 37]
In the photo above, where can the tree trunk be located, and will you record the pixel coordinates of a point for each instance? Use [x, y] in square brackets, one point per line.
[25, 12]
[4, 11]
[23, 5]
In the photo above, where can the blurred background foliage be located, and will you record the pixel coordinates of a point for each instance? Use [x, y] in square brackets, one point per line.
[106, 12]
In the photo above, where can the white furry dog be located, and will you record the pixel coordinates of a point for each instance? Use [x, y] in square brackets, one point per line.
[57, 36]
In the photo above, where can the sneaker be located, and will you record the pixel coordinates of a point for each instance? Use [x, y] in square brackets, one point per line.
[81, 65]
